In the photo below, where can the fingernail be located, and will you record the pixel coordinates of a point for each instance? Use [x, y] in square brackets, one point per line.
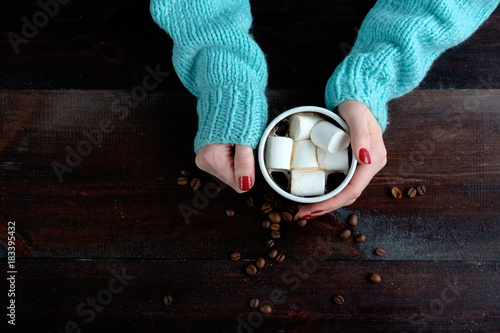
[317, 212]
[364, 156]
[245, 183]
[308, 217]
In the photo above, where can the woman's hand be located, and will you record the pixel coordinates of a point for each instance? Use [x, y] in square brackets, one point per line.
[369, 150]
[233, 164]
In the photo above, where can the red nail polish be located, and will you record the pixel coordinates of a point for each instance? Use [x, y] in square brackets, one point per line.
[308, 217]
[364, 156]
[245, 183]
[317, 212]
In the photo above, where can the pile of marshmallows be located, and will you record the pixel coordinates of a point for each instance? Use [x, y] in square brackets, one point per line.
[312, 150]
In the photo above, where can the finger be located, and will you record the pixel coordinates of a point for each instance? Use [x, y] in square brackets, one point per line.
[355, 115]
[217, 160]
[244, 167]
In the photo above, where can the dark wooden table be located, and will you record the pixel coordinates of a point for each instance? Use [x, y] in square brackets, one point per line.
[99, 245]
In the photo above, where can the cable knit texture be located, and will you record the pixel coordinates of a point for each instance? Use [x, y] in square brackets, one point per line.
[218, 61]
[396, 45]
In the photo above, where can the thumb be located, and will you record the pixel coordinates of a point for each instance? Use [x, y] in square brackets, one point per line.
[244, 167]
[355, 115]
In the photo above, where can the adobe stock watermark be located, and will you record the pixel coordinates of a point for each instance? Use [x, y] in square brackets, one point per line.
[40, 19]
[91, 305]
[292, 277]
[120, 109]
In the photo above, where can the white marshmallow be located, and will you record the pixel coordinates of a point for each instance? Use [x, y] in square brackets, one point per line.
[308, 183]
[329, 137]
[301, 125]
[278, 152]
[304, 155]
[333, 162]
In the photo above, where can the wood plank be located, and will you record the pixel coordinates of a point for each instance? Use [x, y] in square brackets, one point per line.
[107, 45]
[122, 200]
[210, 296]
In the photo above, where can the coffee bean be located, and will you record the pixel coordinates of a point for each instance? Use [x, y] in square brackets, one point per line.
[292, 209]
[396, 193]
[195, 183]
[269, 197]
[421, 189]
[280, 257]
[250, 202]
[270, 243]
[338, 299]
[353, 220]
[251, 270]
[274, 217]
[346, 233]
[412, 192]
[260, 263]
[273, 254]
[235, 256]
[185, 172]
[230, 212]
[254, 303]
[266, 224]
[266, 309]
[167, 299]
[302, 222]
[375, 278]
[361, 238]
[286, 216]
[275, 226]
[275, 234]
[266, 208]
[182, 181]
[380, 252]
[279, 204]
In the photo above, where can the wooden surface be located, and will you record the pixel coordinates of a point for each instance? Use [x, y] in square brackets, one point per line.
[117, 212]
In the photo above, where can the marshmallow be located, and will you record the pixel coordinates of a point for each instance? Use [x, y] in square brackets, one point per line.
[278, 152]
[304, 155]
[308, 183]
[329, 137]
[333, 162]
[301, 125]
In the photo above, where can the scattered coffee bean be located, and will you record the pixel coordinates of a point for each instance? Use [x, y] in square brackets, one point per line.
[292, 209]
[275, 234]
[195, 183]
[346, 233]
[250, 202]
[274, 217]
[269, 197]
[412, 192]
[280, 257]
[421, 189]
[396, 193]
[254, 303]
[302, 222]
[167, 299]
[230, 212]
[353, 220]
[275, 226]
[235, 256]
[380, 252]
[185, 172]
[251, 270]
[266, 224]
[182, 181]
[375, 278]
[338, 299]
[266, 208]
[287, 217]
[260, 263]
[273, 254]
[266, 309]
[279, 204]
[361, 238]
[270, 243]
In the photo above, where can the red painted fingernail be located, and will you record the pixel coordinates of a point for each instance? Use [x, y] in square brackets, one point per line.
[245, 183]
[317, 212]
[308, 217]
[364, 156]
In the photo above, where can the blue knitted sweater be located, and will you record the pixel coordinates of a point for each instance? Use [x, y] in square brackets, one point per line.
[219, 62]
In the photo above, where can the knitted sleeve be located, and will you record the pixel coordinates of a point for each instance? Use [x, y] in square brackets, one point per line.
[218, 61]
[396, 45]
